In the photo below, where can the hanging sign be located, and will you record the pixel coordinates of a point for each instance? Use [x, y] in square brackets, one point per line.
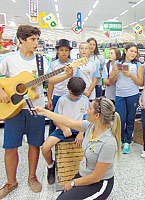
[79, 21]
[138, 29]
[76, 29]
[51, 21]
[33, 11]
[112, 29]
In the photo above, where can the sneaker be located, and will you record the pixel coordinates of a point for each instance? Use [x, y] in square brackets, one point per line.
[122, 144]
[126, 148]
[34, 184]
[51, 174]
[143, 154]
[8, 187]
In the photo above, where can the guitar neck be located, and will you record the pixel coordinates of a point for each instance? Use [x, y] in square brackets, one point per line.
[44, 77]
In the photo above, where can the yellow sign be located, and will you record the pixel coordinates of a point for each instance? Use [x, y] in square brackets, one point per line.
[138, 29]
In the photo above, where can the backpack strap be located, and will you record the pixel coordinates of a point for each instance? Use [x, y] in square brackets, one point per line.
[39, 60]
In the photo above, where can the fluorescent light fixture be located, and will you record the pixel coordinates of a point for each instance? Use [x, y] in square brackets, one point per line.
[125, 11]
[96, 3]
[90, 12]
[83, 23]
[56, 7]
[12, 23]
[129, 35]
[125, 26]
[115, 18]
[136, 4]
[142, 19]
[58, 21]
[57, 14]
[27, 15]
[55, 0]
[86, 18]
[14, 1]
[133, 23]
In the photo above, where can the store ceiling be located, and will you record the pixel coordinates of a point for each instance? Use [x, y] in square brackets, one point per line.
[105, 10]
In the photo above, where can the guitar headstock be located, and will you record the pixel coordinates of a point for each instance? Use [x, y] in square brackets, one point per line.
[79, 62]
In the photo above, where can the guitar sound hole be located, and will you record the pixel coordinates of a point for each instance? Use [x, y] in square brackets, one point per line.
[21, 88]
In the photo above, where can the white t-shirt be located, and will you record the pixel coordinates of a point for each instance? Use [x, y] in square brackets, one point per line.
[88, 72]
[101, 63]
[15, 63]
[74, 109]
[60, 89]
[110, 91]
[125, 86]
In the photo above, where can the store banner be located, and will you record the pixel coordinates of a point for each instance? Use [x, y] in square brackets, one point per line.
[33, 11]
[112, 29]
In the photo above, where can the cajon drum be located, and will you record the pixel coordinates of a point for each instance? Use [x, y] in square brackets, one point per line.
[68, 158]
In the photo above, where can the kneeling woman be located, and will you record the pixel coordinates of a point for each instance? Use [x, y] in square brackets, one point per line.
[102, 139]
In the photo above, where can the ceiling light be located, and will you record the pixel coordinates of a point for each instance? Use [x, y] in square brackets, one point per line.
[132, 23]
[55, 0]
[57, 14]
[89, 13]
[115, 18]
[125, 26]
[27, 15]
[56, 7]
[130, 35]
[125, 11]
[142, 19]
[96, 3]
[136, 4]
[14, 1]
[85, 19]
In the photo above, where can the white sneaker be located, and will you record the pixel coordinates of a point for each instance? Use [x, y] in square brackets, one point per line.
[143, 154]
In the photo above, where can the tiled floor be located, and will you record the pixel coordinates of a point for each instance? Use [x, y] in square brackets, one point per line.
[129, 176]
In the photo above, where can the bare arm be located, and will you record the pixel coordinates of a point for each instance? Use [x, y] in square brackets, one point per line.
[56, 79]
[50, 91]
[4, 98]
[139, 79]
[140, 101]
[66, 121]
[114, 75]
[66, 131]
[95, 177]
[107, 82]
[92, 86]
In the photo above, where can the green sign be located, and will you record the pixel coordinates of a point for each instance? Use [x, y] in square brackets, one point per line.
[112, 26]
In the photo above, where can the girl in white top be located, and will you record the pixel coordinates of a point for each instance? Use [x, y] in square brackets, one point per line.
[89, 72]
[100, 59]
[110, 91]
[127, 91]
[55, 91]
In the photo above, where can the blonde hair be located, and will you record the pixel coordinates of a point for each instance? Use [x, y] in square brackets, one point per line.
[106, 108]
[82, 44]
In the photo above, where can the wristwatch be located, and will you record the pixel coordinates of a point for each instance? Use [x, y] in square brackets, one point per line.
[73, 183]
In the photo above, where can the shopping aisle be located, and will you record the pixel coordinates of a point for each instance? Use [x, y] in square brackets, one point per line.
[129, 176]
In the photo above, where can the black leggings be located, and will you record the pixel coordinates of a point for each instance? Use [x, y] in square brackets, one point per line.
[99, 191]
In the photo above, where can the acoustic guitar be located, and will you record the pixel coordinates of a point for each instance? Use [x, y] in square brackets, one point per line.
[16, 87]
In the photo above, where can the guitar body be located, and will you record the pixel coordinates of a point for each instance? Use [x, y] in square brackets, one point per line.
[15, 88]
[24, 83]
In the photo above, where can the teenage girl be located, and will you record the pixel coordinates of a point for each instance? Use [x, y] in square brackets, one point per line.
[101, 142]
[110, 91]
[89, 72]
[127, 92]
[99, 58]
[55, 91]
